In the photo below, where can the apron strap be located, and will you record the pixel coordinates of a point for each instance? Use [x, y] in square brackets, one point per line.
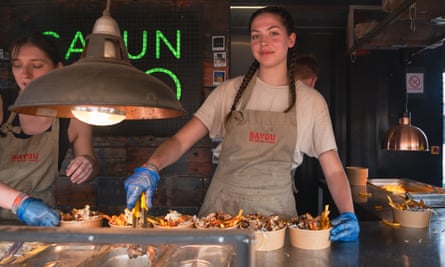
[8, 127]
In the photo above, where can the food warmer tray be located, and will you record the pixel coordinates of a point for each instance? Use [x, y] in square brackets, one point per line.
[433, 196]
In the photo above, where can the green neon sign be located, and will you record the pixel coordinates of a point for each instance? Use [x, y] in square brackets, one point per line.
[172, 75]
[78, 43]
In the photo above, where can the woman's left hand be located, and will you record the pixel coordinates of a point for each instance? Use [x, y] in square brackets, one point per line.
[79, 170]
[345, 227]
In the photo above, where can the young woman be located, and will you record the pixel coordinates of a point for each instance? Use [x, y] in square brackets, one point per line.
[268, 122]
[33, 148]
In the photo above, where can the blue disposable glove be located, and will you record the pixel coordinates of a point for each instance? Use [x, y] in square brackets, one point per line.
[345, 227]
[142, 180]
[34, 212]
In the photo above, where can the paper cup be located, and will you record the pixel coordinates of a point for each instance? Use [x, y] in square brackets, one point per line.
[269, 240]
[357, 175]
[415, 219]
[309, 239]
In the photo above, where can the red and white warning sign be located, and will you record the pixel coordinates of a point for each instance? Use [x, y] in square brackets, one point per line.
[414, 83]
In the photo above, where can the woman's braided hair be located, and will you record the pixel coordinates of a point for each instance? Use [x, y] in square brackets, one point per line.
[288, 22]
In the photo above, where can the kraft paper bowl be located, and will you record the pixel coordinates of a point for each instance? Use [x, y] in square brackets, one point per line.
[309, 239]
[112, 225]
[93, 222]
[270, 240]
[415, 219]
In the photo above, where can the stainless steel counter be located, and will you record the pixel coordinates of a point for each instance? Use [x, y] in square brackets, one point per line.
[378, 245]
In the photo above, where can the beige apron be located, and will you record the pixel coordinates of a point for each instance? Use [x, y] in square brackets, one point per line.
[29, 164]
[254, 169]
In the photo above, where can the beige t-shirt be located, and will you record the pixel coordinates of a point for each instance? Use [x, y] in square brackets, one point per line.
[314, 127]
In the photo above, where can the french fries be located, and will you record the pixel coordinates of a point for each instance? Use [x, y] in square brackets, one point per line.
[123, 219]
[408, 204]
[172, 219]
[233, 221]
[306, 221]
[219, 220]
[325, 223]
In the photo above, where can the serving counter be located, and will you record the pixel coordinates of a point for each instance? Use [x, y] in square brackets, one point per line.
[379, 244]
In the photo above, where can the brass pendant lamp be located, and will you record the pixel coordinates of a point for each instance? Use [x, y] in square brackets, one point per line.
[102, 87]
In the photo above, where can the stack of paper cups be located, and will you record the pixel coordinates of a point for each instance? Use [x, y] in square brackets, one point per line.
[357, 175]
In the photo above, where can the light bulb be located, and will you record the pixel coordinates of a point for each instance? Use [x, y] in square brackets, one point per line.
[98, 115]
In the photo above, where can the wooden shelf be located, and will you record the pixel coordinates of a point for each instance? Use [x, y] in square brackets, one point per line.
[396, 29]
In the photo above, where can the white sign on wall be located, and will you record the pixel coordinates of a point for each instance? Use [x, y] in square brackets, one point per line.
[414, 83]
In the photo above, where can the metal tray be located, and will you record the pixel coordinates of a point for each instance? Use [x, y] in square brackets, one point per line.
[57, 255]
[201, 255]
[433, 196]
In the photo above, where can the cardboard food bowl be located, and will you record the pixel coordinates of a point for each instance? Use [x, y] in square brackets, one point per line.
[93, 222]
[415, 219]
[269, 240]
[112, 225]
[309, 239]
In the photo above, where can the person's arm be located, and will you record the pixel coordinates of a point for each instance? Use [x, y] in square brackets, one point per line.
[345, 227]
[8, 195]
[29, 210]
[83, 167]
[337, 181]
[173, 148]
[146, 178]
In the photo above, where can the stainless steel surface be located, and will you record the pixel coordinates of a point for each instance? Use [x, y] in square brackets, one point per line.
[433, 196]
[8, 257]
[57, 255]
[201, 255]
[179, 247]
[119, 257]
[379, 245]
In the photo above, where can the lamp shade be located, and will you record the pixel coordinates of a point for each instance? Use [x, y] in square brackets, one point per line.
[102, 80]
[405, 137]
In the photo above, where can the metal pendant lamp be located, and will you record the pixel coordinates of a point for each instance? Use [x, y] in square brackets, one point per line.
[102, 87]
[405, 137]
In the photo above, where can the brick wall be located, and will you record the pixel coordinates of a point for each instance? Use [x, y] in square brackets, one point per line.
[182, 184]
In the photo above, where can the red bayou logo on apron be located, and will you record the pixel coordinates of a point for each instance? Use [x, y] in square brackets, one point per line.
[262, 137]
[25, 157]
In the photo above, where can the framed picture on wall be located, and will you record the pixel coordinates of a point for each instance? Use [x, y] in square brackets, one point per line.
[219, 77]
[218, 43]
[219, 59]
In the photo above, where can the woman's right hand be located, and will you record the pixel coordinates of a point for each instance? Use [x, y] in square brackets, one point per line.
[142, 180]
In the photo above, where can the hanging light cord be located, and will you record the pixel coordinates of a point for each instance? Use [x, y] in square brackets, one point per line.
[107, 9]
[412, 16]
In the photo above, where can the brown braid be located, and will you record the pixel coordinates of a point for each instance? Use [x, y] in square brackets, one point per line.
[292, 59]
[252, 69]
